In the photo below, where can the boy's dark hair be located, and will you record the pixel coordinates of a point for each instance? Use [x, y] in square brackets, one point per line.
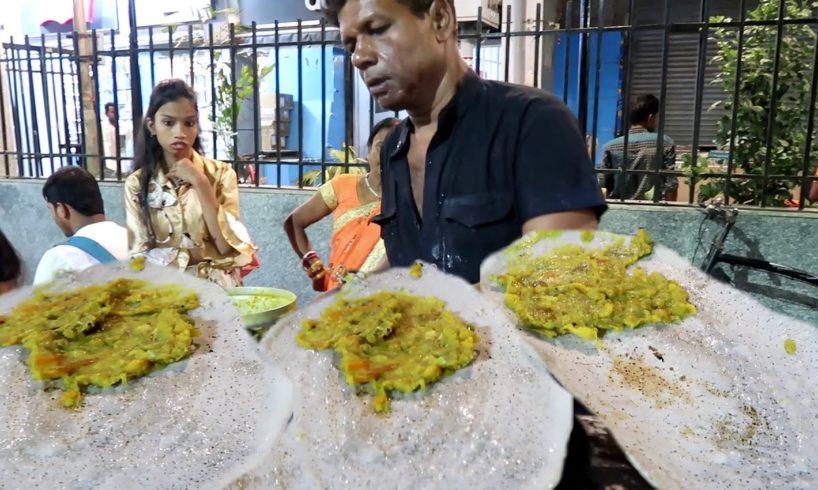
[109, 104]
[10, 264]
[75, 187]
[388, 123]
[332, 8]
[643, 107]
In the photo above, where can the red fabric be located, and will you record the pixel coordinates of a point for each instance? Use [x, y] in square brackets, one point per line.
[253, 265]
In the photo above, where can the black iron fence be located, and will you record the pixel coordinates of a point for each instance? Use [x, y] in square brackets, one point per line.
[736, 81]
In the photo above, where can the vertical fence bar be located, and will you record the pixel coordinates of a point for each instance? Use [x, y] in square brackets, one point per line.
[300, 103]
[277, 43]
[35, 123]
[117, 142]
[256, 105]
[83, 150]
[734, 118]
[773, 101]
[701, 66]
[152, 54]
[508, 42]
[3, 129]
[626, 106]
[660, 138]
[597, 81]
[66, 127]
[567, 65]
[55, 108]
[479, 43]
[233, 100]
[170, 49]
[212, 53]
[191, 55]
[324, 124]
[103, 160]
[584, 38]
[46, 102]
[805, 181]
[15, 108]
[537, 37]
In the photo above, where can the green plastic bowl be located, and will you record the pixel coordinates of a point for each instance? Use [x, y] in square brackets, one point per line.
[260, 308]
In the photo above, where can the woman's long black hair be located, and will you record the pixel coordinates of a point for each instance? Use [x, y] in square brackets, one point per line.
[149, 157]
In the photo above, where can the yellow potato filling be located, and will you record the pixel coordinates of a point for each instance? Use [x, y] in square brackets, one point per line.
[576, 289]
[102, 335]
[392, 341]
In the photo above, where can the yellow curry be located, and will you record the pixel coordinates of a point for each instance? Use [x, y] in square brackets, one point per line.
[392, 341]
[576, 289]
[102, 335]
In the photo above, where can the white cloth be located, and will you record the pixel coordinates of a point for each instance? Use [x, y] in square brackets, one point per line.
[109, 143]
[109, 235]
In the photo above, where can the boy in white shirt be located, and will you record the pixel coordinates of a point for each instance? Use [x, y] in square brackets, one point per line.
[73, 197]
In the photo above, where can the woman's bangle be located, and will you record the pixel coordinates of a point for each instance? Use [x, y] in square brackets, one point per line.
[308, 258]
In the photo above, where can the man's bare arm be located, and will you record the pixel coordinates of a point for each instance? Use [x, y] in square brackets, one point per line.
[571, 220]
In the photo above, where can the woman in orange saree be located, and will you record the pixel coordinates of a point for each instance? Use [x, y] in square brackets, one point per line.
[353, 200]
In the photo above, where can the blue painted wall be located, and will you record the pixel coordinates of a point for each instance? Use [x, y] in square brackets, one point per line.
[311, 100]
[609, 81]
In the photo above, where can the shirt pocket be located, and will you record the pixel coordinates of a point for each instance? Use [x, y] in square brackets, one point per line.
[477, 210]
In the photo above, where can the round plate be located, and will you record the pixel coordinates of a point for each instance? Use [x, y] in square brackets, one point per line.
[198, 423]
[714, 401]
[501, 422]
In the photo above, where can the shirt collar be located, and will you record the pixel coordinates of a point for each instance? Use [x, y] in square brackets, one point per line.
[468, 88]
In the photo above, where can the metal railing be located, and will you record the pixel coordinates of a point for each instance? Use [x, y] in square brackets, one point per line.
[566, 54]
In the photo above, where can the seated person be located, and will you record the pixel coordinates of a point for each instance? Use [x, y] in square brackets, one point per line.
[353, 200]
[73, 197]
[10, 266]
[182, 209]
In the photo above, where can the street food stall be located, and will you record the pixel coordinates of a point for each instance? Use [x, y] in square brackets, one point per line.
[121, 377]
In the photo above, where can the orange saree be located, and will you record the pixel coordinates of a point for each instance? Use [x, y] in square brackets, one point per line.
[356, 244]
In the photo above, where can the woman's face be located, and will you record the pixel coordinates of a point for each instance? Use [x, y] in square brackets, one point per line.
[176, 126]
[374, 156]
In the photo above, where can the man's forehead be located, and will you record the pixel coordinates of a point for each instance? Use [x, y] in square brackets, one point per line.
[357, 12]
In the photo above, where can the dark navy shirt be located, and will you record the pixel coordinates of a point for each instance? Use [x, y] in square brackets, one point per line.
[502, 154]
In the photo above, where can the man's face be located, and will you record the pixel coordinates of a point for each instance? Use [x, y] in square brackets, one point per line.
[110, 112]
[398, 53]
[60, 215]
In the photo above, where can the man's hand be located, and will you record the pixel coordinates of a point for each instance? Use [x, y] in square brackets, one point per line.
[571, 220]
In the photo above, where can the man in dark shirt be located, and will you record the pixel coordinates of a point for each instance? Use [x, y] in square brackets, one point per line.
[477, 163]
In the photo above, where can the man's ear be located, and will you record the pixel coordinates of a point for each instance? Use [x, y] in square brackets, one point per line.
[444, 22]
[62, 211]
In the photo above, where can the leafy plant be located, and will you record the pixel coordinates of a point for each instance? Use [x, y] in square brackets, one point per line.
[227, 109]
[313, 177]
[755, 100]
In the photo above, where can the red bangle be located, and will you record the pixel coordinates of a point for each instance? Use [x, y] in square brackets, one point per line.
[309, 258]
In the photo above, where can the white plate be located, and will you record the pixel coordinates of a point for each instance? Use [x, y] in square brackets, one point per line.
[724, 407]
[502, 422]
[196, 424]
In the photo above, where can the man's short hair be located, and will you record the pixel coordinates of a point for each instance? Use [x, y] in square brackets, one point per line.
[643, 107]
[75, 187]
[109, 104]
[332, 8]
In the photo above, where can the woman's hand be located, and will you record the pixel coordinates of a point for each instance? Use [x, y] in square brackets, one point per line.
[187, 171]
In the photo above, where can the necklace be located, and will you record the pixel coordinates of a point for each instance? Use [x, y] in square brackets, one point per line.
[369, 186]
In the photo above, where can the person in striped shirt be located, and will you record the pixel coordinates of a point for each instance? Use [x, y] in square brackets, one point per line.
[643, 154]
